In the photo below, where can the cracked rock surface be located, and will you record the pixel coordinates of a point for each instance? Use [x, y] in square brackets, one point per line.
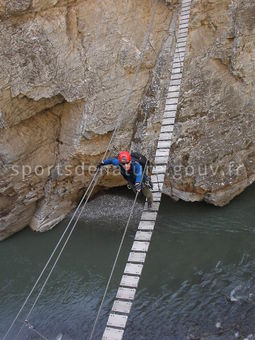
[66, 67]
[213, 152]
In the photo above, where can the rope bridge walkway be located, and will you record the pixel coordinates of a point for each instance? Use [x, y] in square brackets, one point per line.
[125, 295]
[118, 317]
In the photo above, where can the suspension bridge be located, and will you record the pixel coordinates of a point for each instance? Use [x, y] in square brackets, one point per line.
[118, 317]
[125, 296]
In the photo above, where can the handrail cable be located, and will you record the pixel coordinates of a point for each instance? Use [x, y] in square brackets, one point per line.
[47, 263]
[56, 261]
[132, 208]
[129, 218]
[32, 328]
[116, 258]
[95, 175]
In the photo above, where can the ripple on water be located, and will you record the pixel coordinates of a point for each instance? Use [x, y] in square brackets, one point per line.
[112, 207]
[199, 273]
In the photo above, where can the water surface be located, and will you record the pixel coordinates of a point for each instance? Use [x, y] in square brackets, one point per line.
[199, 273]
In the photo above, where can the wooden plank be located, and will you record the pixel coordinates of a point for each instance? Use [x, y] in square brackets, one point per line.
[184, 39]
[171, 101]
[162, 152]
[157, 187]
[130, 280]
[156, 195]
[173, 94]
[143, 236]
[185, 10]
[181, 45]
[183, 30]
[159, 169]
[169, 114]
[164, 144]
[167, 128]
[112, 334]
[146, 225]
[183, 26]
[184, 20]
[186, 7]
[178, 57]
[181, 49]
[155, 178]
[140, 246]
[137, 257]
[155, 206]
[149, 216]
[122, 306]
[182, 35]
[176, 76]
[178, 63]
[175, 81]
[133, 268]
[167, 121]
[170, 107]
[126, 293]
[117, 320]
[176, 70]
[185, 16]
[181, 55]
[165, 137]
[161, 160]
[174, 88]
[180, 60]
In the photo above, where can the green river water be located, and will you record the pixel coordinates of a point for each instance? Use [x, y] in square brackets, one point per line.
[198, 280]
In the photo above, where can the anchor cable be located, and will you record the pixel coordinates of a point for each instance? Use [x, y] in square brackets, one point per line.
[116, 258]
[93, 179]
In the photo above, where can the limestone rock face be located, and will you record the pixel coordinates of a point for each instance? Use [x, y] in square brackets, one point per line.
[213, 152]
[66, 67]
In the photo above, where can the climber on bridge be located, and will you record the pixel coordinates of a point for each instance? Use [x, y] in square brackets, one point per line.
[132, 169]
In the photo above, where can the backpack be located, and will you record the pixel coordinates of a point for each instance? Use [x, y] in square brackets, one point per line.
[141, 159]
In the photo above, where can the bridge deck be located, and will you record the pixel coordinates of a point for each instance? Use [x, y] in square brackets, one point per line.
[118, 317]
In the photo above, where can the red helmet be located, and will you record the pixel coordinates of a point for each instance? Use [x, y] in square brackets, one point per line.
[124, 157]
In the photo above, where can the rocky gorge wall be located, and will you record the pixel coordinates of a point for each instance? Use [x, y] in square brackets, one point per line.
[65, 70]
[215, 132]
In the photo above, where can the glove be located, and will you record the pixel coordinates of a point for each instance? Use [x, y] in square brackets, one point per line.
[128, 186]
[138, 187]
[99, 165]
[149, 184]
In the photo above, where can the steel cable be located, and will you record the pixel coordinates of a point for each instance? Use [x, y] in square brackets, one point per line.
[116, 258]
[56, 261]
[93, 179]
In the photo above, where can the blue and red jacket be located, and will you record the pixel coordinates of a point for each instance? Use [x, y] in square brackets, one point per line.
[134, 175]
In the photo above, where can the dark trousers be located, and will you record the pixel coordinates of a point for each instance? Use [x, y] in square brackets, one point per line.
[145, 190]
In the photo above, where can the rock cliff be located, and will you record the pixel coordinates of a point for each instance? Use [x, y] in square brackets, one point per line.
[213, 152]
[65, 70]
